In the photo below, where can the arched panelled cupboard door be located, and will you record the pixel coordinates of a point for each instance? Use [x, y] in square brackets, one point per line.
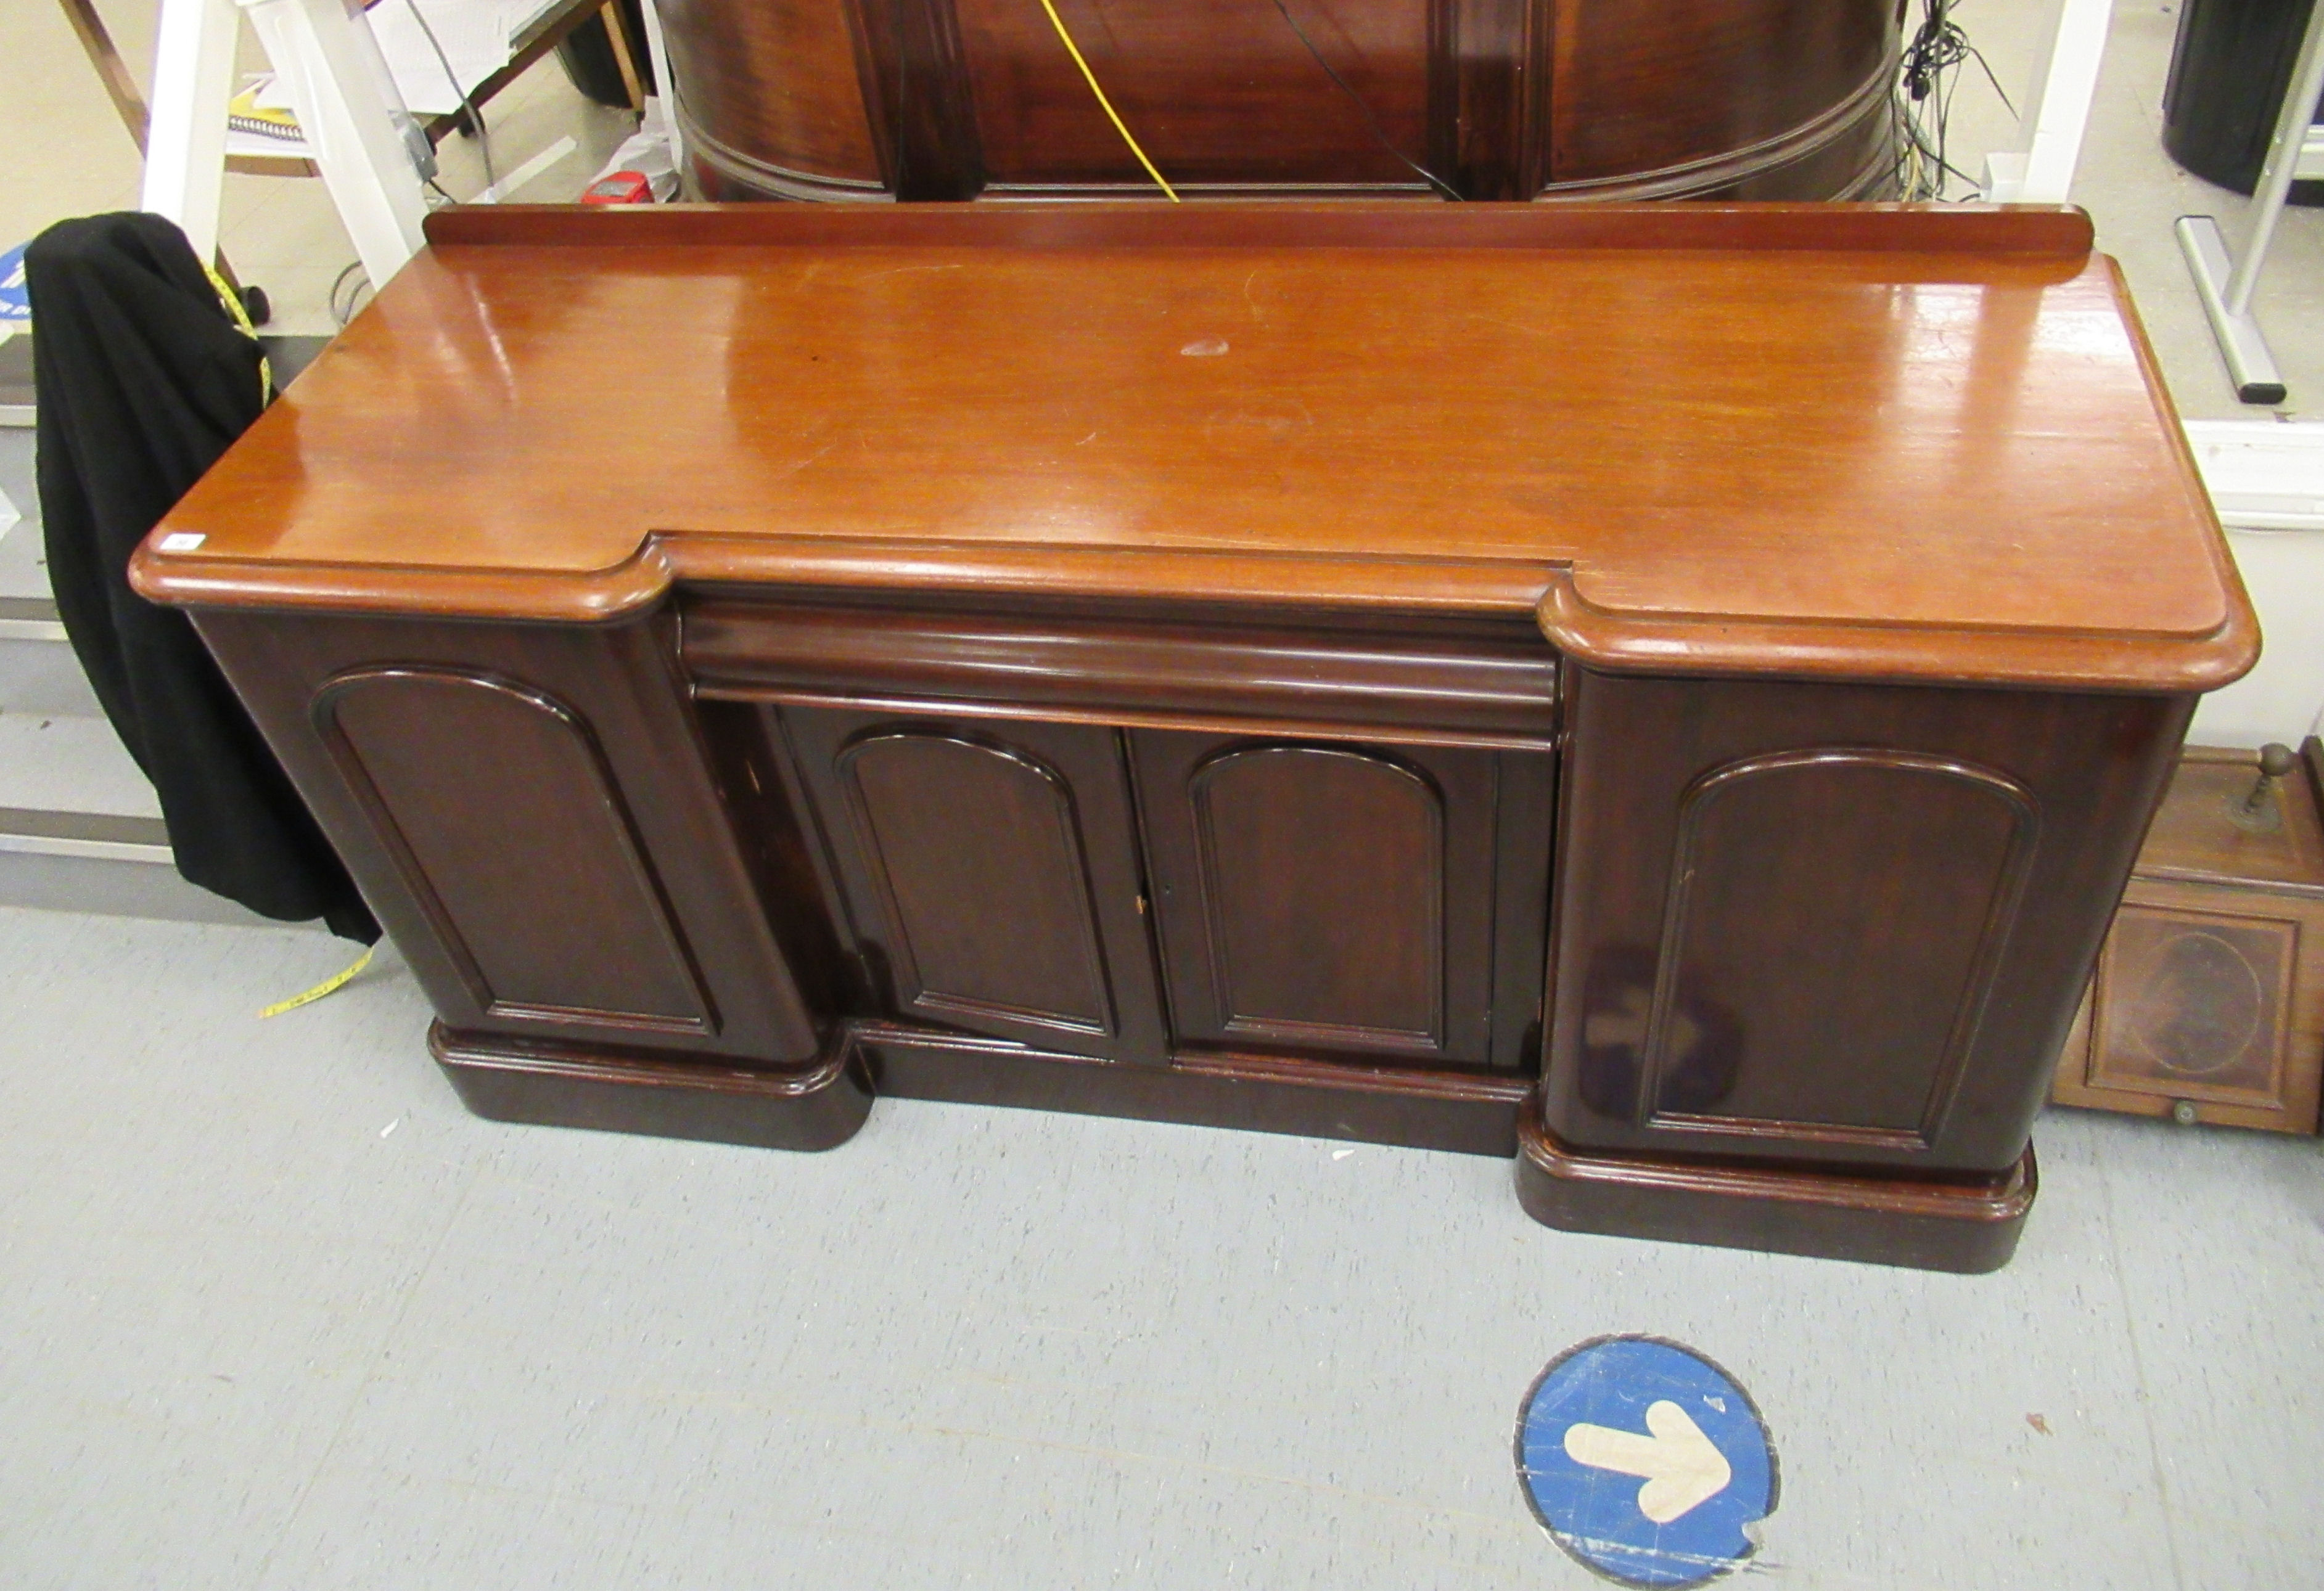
[1325, 898]
[989, 869]
[528, 867]
[532, 813]
[1923, 861]
[1851, 924]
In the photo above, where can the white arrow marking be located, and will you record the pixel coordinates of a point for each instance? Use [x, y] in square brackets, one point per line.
[1681, 1467]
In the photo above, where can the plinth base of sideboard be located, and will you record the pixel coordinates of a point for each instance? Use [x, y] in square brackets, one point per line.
[1470, 1113]
[1918, 1222]
[820, 1106]
[815, 1106]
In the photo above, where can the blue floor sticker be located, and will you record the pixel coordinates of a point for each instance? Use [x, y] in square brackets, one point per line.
[1646, 1461]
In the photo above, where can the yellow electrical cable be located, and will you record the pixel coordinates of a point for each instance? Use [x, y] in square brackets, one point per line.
[231, 302]
[330, 985]
[1104, 103]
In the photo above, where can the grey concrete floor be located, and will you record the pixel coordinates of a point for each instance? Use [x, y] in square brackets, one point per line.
[277, 1313]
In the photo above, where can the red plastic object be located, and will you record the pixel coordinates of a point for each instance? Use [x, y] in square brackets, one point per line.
[620, 187]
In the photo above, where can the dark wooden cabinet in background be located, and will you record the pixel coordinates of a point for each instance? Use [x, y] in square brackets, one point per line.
[1669, 694]
[1473, 99]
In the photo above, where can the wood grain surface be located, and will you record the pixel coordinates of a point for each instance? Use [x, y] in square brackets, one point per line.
[1935, 448]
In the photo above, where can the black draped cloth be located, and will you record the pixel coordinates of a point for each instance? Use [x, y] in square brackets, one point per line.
[142, 378]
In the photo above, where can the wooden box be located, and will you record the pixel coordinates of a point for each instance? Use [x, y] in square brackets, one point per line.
[2209, 1000]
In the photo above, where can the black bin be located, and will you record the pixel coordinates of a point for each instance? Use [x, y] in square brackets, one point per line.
[2229, 72]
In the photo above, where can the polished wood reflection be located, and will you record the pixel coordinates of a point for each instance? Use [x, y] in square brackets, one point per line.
[899, 398]
[1760, 1025]
[1811, 921]
[780, 96]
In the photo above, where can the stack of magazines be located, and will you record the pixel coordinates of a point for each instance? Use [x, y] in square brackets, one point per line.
[256, 127]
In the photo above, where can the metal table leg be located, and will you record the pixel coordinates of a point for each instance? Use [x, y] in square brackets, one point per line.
[2225, 280]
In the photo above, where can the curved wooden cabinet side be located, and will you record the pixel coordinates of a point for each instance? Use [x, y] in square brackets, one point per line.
[1872, 522]
[1476, 99]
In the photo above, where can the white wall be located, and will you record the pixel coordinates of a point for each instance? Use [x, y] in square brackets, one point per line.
[2266, 479]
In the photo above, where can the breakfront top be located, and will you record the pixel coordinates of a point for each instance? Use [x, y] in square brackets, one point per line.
[1866, 441]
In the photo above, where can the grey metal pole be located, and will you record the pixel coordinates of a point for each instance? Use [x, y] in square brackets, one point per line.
[2274, 188]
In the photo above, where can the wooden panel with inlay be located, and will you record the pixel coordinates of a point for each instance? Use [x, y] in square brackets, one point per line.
[2209, 1000]
[2196, 1005]
[990, 869]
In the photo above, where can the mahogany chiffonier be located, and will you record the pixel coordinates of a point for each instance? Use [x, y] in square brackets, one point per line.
[1672, 695]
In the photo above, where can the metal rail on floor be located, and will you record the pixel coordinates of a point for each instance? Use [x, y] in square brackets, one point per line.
[2225, 279]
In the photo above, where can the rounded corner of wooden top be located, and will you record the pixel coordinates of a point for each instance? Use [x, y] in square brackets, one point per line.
[144, 579]
[620, 592]
[2080, 231]
[1557, 592]
[2066, 227]
[2072, 219]
[1559, 613]
[627, 590]
[2228, 652]
[1617, 642]
[164, 569]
